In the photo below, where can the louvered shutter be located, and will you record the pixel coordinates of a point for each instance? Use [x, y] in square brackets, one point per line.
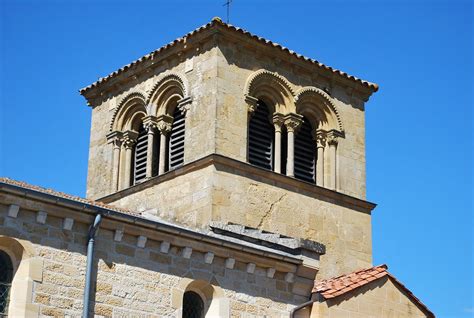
[305, 153]
[260, 139]
[139, 160]
[176, 141]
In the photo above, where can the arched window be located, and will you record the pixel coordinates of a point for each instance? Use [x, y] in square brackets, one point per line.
[176, 141]
[260, 138]
[305, 153]
[193, 305]
[140, 156]
[6, 277]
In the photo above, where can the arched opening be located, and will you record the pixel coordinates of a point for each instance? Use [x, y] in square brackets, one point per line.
[176, 140]
[261, 134]
[6, 278]
[193, 305]
[139, 156]
[305, 153]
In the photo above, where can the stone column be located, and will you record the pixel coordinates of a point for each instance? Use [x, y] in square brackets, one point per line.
[320, 145]
[129, 140]
[277, 122]
[150, 123]
[164, 127]
[115, 138]
[184, 104]
[332, 143]
[292, 122]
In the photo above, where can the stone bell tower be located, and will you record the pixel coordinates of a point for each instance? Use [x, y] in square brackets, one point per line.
[222, 125]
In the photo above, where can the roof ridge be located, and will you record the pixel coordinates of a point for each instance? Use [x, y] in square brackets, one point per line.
[218, 21]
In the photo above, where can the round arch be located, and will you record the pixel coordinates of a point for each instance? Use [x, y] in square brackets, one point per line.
[166, 94]
[130, 108]
[317, 106]
[271, 88]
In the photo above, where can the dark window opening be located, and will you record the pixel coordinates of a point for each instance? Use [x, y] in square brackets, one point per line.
[176, 141]
[193, 305]
[305, 153]
[6, 277]
[260, 138]
[284, 149]
[139, 156]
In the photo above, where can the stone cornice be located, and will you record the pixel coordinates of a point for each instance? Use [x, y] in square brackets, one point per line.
[233, 34]
[222, 163]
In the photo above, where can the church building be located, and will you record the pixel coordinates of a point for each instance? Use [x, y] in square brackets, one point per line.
[226, 178]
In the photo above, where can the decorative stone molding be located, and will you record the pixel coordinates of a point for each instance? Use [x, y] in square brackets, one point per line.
[184, 105]
[250, 268]
[270, 272]
[141, 241]
[208, 257]
[13, 211]
[115, 138]
[272, 77]
[308, 90]
[230, 263]
[68, 223]
[332, 137]
[41, 217]
[150, 122]
[137, 97]
[164, 123]
[289, 277]
[321, 137]
[293, 121]
[168, 78]
[278, 120]
[252, 104]
[165, 247]
[118, 235]
[187, 252]
[129, 139]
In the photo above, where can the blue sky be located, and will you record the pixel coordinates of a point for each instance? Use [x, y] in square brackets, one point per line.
[419, 124]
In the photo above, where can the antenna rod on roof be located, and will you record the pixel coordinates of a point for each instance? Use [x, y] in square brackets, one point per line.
[228, 2]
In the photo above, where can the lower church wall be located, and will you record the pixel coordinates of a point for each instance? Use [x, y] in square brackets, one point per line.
[131, 281]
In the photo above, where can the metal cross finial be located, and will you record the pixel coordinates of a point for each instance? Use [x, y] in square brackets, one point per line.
[228, 2]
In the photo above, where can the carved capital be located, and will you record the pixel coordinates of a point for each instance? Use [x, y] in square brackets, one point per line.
[252, 103]
[150, 123]
[321, 138]
[333, 137]
[184, 105]
[115, 138]
[293, 122]
[164, 124]
[278, 121]
[129, 139]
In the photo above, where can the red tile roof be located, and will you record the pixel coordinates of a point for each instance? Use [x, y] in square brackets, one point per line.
[333, 287]
[63, 195]
[218, 22]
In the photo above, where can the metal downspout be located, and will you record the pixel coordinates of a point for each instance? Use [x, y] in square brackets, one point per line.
[90, 256]
[301, 306]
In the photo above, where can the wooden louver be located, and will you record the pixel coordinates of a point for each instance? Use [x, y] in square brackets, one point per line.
[139, 160]
[176, 141]
[260, 138]
[305, 153]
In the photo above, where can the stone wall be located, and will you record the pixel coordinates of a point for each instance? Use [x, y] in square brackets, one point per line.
[245, 195]
[381, 299]
[133, 280]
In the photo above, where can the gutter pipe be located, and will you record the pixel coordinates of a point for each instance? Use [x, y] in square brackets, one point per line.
[301, 306]
[90, 256]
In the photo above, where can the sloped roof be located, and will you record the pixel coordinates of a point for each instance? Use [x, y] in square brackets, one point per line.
[218, 22]
[63, 195]
[340, 285]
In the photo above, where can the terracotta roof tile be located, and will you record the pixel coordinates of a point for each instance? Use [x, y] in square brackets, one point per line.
[63, 195]
[215, 22]
[333, 287]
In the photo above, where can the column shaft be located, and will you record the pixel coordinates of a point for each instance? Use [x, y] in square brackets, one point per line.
[290, 161]
[277, 153]
[127, 173]
[149, 153]
[162, 159]
[320, 167]
[115, 166]
[332, 164]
